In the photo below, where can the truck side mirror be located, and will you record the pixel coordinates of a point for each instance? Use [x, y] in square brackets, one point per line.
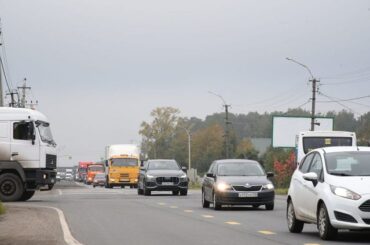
[106, 163]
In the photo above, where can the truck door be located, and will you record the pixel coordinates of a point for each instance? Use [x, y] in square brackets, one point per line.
[25, 146]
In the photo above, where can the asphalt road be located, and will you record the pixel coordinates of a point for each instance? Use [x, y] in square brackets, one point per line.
[119, 216]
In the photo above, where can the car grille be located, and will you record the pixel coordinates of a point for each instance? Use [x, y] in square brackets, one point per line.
[51, 161]
[365, 207]
[245, 188]
[344, 217]
[175, 180]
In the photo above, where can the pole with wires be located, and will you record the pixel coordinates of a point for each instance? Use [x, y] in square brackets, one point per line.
[227, 123]
[314, 91]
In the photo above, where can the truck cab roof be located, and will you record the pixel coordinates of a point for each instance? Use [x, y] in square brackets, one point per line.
[10, 113]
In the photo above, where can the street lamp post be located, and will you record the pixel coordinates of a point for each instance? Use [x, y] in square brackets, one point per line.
[314, 90]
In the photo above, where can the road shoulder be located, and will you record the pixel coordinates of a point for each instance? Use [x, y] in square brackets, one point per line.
[30, 226]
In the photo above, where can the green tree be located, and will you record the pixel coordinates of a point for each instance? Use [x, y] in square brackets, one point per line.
[245, 150]
[208, 145]
[363, 130]
[158, 134]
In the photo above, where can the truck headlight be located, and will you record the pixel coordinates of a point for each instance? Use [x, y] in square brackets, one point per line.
[268, 186]
[223, 186]
[343, 192]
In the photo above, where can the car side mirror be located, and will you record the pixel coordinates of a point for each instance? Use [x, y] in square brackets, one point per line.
[270, 174]
[311, 177]
[184, 169]
[142, 169]
[210, 175]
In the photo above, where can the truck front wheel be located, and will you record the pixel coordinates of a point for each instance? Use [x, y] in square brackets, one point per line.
[11, 187]
[27, 195]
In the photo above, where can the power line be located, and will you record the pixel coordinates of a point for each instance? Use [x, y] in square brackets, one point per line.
[338, 102]
[344, 100]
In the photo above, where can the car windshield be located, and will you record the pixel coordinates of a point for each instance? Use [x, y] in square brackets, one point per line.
[311, 143]
[348, 163]
[240, 169]
[45, 132]
[165, 165]
[124, 162]
[95, 168]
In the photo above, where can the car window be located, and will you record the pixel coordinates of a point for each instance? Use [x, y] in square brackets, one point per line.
[306, 163]
[211, 168]
[316, 165]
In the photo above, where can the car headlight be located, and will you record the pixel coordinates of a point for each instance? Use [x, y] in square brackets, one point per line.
[343, 192]
[183, 176]
[148, 176]
[223, 186]
[268, 186]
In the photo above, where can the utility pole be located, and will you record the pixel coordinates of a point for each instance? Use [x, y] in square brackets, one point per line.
[227, 131]
[12, 102]
[314, 91]
[227, 122]
[23, 92]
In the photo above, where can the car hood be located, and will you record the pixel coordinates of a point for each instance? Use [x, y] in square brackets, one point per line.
[358, 184]
[242, 180]
[165, 173]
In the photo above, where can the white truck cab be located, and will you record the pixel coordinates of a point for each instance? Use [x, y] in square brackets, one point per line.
[310, 140]
[27, 154]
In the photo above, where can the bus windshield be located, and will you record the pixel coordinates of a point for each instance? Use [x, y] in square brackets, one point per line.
[311, 143]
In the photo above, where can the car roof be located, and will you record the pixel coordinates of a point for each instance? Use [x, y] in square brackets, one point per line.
[235, 160]
[333, 149]
[161, 160]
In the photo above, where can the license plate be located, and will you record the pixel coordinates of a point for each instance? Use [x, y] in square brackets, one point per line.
[125, 180]
[248, 194]
[167, 183]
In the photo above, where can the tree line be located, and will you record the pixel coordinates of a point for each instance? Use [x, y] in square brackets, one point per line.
[165, 135]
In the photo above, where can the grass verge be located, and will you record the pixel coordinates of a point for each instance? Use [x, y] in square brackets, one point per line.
[195, 186]
[281, 191]
[2, 209]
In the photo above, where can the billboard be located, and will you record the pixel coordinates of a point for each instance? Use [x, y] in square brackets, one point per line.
[285, 128]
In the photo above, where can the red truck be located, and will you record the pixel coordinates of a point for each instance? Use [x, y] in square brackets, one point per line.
[92, 170]
[82, 170]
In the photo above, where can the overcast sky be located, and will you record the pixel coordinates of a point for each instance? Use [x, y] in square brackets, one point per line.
[99, 67]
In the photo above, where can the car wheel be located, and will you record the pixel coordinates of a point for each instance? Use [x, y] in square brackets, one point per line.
[11, 188]
[27, 195]
[294, 225]
[326, 230]
[146, 191]
[269, 206]
[205, 203]
[175, 193]
[216, 205]
[94, 186]
[184, 192]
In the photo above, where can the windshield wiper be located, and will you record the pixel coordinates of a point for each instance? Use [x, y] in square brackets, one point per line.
[341, 174]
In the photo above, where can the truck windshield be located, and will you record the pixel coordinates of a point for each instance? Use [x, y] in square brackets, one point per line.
[96, 168]
[45, 132]
[124, 162]
[311, 143]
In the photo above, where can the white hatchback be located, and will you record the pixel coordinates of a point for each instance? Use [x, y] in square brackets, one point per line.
[331, 188]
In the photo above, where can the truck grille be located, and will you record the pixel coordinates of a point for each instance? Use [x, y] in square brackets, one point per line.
[365, 207]
[175, 180]
[245, 188]
[124, 175]
[51, 161]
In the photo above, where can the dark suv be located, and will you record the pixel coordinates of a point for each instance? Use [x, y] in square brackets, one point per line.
[237, 182]
[162, 175]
